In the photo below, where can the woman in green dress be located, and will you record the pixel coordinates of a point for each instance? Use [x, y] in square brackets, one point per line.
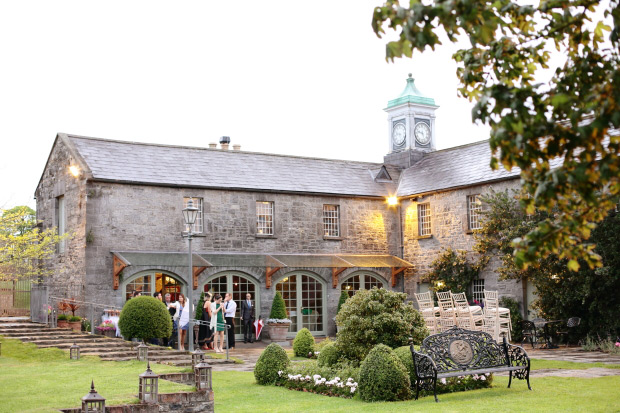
[217, 315]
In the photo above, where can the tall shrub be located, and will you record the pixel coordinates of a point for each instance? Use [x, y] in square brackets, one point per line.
[303, 343]
[145, 318]
[199, 309]
[278, 307]
[383, 377]
[377, 316]
[344, 296]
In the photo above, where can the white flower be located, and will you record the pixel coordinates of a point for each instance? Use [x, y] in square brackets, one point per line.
[316, 376]
[353, 389]
[308, 377]
[483, 378]
[337, 379]
[443, 381]
[280, 373]
[350, 379]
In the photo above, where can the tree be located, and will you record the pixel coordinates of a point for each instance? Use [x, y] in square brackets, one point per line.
[561, 133]
[23, 245]
[591, 294]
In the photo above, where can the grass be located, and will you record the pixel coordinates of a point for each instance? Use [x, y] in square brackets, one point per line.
[44, 380]
[539, 364]
[239, 392]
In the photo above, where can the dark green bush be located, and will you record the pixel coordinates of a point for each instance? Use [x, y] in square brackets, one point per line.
[145, 318]
[278, 307]
[272, 360]
[516, 333]
[383, 376]
[303, 343]
[74, 318]
[344, 296]
[329, 355]
[199, 306]
[404, 354]
[374, 317]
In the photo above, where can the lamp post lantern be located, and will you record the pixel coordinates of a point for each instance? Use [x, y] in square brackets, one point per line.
[149, 384]
[93, 401]
[74, 352]
[202, 375]
[143, 352]
[189, 214]
[197, 357]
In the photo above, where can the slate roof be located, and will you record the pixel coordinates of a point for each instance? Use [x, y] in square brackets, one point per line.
[168, 165]
[452, 168]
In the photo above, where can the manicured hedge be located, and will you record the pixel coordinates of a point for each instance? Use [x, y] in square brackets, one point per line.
[303, 345]
[271, 361]
[145, 318]
[383, 376]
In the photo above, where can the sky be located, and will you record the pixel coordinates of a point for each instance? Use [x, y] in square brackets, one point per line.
[289, 77]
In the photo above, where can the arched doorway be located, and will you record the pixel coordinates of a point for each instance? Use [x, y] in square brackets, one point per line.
[304, 295]
[239, 284]
[148, 282]
[362, 280]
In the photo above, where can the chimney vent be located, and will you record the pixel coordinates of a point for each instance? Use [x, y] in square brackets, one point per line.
[225, 139]
[236, 147]
[212, 145]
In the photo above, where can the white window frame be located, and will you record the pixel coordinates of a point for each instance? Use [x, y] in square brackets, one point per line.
[199, 223]
[474, 209]
[265, 221]
[424, 219]
[331, 220]
[477, 289]
[61, 222]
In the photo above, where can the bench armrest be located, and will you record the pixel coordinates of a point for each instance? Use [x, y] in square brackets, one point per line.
[517, 356]
[424, 365]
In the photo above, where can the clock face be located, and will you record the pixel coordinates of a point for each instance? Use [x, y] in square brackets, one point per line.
[422, 133]
[399, 133]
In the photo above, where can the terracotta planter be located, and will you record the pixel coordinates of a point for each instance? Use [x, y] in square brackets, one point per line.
[75, 326]
[62, 324]
[277, 332]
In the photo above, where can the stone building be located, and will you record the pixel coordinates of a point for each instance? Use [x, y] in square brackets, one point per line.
[306, 227]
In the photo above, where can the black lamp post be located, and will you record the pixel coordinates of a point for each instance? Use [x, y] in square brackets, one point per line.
[93, 401]
[189, 214]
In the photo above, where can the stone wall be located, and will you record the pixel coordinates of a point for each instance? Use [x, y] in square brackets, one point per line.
[68, 267]
[449, 230]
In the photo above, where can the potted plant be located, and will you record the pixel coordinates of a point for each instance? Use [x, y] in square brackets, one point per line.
[278, 320]
[75, 323]
[63, 321]
[344, 296]
[107, 328]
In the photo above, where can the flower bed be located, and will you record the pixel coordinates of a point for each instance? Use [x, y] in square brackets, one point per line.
[318, 384]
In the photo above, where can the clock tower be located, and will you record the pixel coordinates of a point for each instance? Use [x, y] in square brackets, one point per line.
[411, 121]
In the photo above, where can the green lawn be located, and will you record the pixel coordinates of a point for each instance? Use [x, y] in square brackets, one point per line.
[237, 391]
[538, 364]
[42, 380]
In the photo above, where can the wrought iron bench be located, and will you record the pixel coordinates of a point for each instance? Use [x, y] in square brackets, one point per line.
[459, 352]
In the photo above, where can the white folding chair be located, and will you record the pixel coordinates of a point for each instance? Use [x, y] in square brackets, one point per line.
[428, 311]
[503, 313]
[447, 314]
[493, 323]
[465, 316]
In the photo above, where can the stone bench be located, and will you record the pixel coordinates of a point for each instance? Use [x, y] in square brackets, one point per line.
[459, 352]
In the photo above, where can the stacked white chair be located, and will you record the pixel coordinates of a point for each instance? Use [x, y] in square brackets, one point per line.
[467, 317]
[496, 320]
[447, 314]
[428, 311]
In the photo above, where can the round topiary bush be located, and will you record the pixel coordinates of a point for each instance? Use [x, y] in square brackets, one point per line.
[329, 355]
[145, 318]
[303, 343]
[272, 360]
[383, 376]
[374, 317]
[404, 354]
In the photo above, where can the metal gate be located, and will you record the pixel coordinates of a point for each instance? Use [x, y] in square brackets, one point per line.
[14, 298]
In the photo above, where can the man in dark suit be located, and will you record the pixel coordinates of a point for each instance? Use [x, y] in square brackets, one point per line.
[247, 318]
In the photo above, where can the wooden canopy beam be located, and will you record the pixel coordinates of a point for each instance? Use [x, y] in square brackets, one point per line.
[197, 271]
[118, 267]
[270, 272]
[335, 273]
[395, 272]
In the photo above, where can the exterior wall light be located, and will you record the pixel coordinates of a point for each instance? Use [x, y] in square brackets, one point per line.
[392, 200]
[75, 170]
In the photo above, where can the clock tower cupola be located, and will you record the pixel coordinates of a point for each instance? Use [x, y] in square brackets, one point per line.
[411, 121]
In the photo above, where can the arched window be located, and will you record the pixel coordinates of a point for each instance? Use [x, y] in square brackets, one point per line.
[149, 282]
[361, 280]
[239, 285]
[304, 295]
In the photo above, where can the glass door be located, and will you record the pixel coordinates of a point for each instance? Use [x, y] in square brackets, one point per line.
[303, 295]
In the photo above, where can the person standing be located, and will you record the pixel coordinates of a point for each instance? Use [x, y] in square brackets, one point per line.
[229, 314]
[173, 307]
[185, 310]
[204, 332]
[247, 318]
[218, 325]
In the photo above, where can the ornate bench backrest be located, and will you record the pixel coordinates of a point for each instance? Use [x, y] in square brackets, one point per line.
[458, 350]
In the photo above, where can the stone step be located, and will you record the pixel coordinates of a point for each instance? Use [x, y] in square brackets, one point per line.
[60, 336]
[77, 338]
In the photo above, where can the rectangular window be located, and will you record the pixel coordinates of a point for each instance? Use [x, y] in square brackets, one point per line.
[264, 217]
[424, 219]
[331, 220]
[474, 210]
[478, 290]
[61, 222]
[199, 223]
